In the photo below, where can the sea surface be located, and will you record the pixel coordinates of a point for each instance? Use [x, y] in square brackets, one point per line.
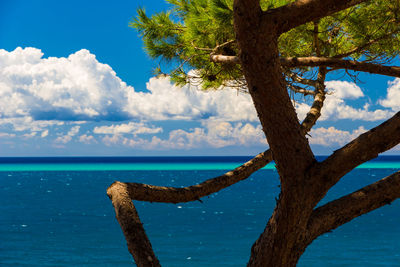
[55, 212]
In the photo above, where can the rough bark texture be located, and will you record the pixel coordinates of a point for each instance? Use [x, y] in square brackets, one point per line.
[258, 43]
[138, 243]
[257, 32]
[316, 107]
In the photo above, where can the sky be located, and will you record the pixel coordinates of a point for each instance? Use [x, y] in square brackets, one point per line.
[75, 81]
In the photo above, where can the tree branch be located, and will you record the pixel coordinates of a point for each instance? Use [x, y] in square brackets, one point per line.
[340, 211]
[303, 11]
[319, 98]
[144, 192]
[296, 78]
[224, 59]
[122, 194]
[362, 149]
[300, 90]
[337, 63]
[138, 243]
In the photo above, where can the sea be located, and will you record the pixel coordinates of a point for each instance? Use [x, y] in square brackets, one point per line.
[55, 212]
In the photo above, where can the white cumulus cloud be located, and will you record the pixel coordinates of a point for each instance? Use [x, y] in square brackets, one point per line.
[344, 89]
[87, 139]
[127, 128]
[215, 134]
[336, 108]
[332, 136]
[392, 99]
[79, 87]
[68, 137]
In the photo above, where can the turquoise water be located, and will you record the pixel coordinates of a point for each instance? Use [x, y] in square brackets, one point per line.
[158, 166]
[53, 216]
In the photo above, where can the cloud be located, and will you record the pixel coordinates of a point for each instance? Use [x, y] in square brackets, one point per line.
[336, 108]
[45, 133]
[129, 128]
[214, 134]
[73, 88]
[41, 95]
[68, 137]
[6, 135]
[165, 101]
[344, 89]
[21, 124]
[87, 139]
[79, 87]
[333, 137]
[392, 99]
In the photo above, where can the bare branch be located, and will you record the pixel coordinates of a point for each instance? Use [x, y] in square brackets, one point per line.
[298, 79]
[343, 210]
[224, 59]
[300, 90]
[122, 194]
[223, 44]
[138, 243]
[303, 11]
[316, 40]
[362, 149]
[319, 98]
[163, 194]
[337, 63]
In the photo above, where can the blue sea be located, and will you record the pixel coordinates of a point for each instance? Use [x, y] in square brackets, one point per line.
[55, 212]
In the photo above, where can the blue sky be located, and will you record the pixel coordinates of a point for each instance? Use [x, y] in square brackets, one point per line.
[75, 81]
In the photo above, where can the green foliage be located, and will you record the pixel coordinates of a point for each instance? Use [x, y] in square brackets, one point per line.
[192, 30]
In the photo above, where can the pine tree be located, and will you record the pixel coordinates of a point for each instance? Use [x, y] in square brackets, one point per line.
[277, 51]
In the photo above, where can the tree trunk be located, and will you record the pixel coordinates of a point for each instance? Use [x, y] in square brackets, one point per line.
[281, 242]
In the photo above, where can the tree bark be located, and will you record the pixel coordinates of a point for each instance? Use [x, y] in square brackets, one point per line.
[302, 11]
[342, 210]
[338, 63]
[258, 44]
[138, 243]
[362, 149]
[284, 238]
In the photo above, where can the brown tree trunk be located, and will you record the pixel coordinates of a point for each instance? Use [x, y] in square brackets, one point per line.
[281, 242]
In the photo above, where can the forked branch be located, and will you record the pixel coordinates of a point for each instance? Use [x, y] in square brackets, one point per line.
[122, 194]
[343, 210]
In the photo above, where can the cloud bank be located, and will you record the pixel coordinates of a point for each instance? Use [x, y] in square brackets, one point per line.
[56, 97]
[81, 88]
